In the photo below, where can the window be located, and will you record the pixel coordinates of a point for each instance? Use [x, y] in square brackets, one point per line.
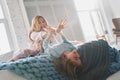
[90, 18]
[4, 43]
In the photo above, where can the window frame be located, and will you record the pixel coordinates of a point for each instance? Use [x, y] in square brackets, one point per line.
[5, 21]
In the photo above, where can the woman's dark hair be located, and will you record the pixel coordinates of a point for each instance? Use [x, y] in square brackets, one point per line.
[66, 67]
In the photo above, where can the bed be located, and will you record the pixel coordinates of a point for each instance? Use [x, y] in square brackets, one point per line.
[13, 76]
[8, 75]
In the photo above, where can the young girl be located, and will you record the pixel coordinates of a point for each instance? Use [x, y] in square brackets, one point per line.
[37, 34]
[47, 42]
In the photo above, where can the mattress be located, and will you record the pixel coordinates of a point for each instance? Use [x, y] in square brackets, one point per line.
[7, 75]
[115, 76]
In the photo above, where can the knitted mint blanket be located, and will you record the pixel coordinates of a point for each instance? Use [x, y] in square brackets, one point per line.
[34, 68]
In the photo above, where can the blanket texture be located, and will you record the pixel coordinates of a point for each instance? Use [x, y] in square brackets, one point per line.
[35, 68]
[95, 59]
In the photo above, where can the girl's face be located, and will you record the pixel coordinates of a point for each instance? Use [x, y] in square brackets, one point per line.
[43, 23]
[73, 56]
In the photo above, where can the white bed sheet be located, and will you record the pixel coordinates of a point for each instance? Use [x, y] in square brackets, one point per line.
[115, 76]
[7, 75]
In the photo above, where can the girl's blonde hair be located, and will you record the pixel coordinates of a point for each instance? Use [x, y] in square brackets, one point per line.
[37, 24]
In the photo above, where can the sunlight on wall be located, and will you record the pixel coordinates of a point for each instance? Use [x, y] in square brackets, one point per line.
[1, 13]
[90, 18]
[85, 4]
[4, 44]
[87, 26]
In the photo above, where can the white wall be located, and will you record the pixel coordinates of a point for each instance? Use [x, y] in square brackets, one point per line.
[107, 12]
[115, 5]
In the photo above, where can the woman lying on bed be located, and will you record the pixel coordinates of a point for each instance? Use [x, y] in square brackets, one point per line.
[95, 60]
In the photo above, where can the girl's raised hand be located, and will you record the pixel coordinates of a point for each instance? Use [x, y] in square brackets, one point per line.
[61, 25]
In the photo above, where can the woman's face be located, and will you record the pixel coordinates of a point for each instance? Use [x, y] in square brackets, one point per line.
[73, 56]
